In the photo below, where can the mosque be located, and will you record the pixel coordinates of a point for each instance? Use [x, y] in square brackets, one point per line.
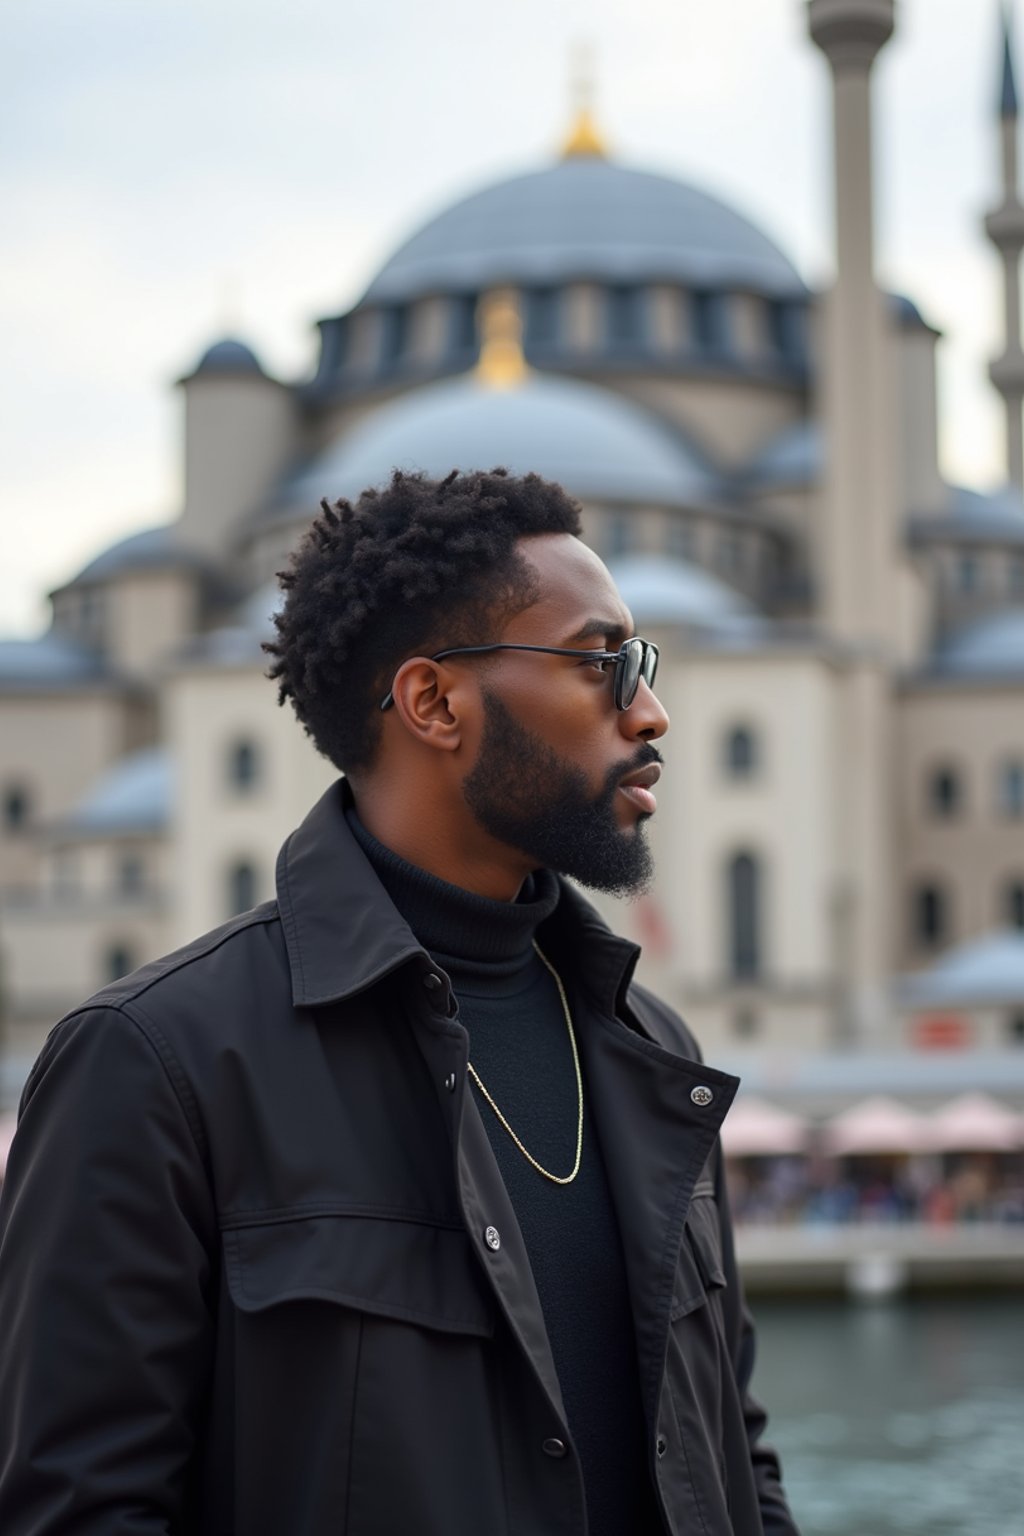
[840, 840]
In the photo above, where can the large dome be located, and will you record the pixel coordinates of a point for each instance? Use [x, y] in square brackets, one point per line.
[586, 217]
[598, 445]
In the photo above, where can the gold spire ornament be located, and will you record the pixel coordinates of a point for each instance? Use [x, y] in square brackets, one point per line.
[585, 139]
[502, 364]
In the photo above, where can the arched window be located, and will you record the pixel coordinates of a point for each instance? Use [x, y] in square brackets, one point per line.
[117, 962]
[243, 764]
[241, 887]
[930, 916]
[542, 317]
[394, 334]
[131, 874]
[1015, 1028]
[462, 332]
[624, 309]
[17, 808]
[1011, 789]
[744, 916]
[1015, 903]
[709, 322]
[740, 752]
[620, 535]
[945, 792]
[967, 573]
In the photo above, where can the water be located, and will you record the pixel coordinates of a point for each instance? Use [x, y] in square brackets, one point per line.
[903, 1418]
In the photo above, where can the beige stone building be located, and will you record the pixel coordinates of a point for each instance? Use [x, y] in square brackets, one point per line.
[840, 896]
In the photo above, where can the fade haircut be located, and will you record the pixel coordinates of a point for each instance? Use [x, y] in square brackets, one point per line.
[405, 571]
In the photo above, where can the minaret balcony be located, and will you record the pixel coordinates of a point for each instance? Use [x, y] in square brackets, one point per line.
[1005, 226]
[851, 32]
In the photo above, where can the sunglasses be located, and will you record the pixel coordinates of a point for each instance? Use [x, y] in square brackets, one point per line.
[635, 659]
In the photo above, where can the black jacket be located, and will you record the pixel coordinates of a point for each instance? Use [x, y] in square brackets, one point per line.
[259, 1273]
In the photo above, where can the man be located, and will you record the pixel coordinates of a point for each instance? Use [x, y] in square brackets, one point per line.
[394, 1205]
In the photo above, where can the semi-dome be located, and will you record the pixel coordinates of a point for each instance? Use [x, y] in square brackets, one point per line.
[600, 446]
[229, 356]
[51, 662]
[586, 217]
[989, 969]
[792, 458]
[665, 591]
[150, 549]
[133, 797]
[989, 649]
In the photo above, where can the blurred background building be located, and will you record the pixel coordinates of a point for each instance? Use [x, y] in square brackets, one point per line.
[839, 906]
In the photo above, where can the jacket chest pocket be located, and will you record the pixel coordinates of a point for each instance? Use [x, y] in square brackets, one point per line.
[699, 1272]
[364, 1364]
[413, 1271]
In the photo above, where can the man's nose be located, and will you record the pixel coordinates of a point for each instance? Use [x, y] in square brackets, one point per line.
[646, 718]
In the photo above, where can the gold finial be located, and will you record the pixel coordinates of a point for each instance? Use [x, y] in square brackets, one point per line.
[584, 136]
[501, 365]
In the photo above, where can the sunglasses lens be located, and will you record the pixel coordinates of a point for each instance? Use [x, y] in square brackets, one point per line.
[650, 662]
[631, 658]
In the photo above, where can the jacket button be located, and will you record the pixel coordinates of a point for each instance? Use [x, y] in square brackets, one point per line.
[449, 1082]
[492, 1237]
[661, 1445]
[553, 1447]
[432, 981]
[701, 1096]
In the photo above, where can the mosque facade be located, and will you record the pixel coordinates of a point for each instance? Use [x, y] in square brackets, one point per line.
[840, 839]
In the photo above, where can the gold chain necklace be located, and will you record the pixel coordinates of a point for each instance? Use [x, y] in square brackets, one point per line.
[579, 1089]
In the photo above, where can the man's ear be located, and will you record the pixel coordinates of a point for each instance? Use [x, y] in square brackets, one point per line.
[427, 701]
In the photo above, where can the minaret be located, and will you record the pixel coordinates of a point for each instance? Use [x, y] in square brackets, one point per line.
[855, 558]
[1005, 228]
[860, 535]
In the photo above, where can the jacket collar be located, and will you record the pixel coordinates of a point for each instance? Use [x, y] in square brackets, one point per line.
[343, 933]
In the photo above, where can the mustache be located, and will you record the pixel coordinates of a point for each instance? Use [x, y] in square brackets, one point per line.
[645, 754]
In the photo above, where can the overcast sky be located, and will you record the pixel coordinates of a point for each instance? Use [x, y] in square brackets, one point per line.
[174, 169]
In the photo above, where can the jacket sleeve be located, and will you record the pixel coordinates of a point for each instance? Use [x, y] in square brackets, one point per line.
[106, 1236]
[775, 1513]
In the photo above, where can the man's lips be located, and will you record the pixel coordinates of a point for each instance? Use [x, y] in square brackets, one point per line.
[637, 787]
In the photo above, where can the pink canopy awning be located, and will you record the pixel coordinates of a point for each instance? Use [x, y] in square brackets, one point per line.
[878, 1124]
[755, 1128]
[975, 1122]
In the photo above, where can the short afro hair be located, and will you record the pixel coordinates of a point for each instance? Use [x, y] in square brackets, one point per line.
[414, 568]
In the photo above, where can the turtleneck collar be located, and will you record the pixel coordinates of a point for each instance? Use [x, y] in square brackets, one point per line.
[463, 931]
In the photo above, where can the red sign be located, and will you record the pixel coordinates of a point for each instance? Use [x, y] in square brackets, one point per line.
[942, 1032]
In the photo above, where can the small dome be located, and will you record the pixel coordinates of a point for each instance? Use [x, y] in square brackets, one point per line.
[985, 970]
[51, 662]
[596, 444]
[998, 510]
[990, 648]
[663, 591]
[151, 549]
[586, 217]
[133, 797]
[794, 457]
[228, 356]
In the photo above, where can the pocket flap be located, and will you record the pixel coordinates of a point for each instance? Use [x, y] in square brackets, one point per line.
[414, 1271]
[699, 1269]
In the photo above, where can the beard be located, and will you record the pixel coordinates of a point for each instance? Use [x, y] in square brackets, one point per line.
[522, 793]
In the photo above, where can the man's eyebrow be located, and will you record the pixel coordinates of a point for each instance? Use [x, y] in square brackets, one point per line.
[612, 630]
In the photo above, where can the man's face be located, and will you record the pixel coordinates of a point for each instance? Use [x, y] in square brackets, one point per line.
[554, 750]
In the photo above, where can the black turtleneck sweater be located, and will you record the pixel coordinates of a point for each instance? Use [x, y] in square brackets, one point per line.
[519, 1046]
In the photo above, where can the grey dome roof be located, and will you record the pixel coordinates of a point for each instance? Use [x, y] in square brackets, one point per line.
[989, 649]
[793, 457]
[133, 797]
[665, 591]
[596, 444]
[985, 970]
[586, 217]
[229, 355]
[51, 662]
[150, 550]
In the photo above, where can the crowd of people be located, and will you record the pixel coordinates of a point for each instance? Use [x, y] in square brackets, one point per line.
[938, 1191]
